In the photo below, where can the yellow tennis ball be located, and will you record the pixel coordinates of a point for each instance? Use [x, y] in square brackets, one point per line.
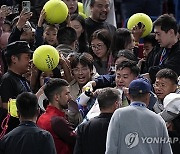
[143, 18]
[80, 7]
[56, 11]
[46, 58]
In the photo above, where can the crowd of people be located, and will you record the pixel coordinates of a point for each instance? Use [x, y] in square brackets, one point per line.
[111, 92]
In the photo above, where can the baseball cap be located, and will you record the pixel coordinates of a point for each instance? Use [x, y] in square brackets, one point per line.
[171, 107]
[17, 47]
[139, 86]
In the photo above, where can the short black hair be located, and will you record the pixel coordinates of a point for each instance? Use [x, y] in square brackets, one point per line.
[129, 64]
[84, 59]
[54, 85]
[150, 39]
[107, 97]
[27, 105]
[168, 74]
[166, 22]
[66, 35]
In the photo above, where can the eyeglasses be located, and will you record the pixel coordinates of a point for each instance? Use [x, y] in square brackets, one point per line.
[159, 85]
[82, 70]
[97, 47]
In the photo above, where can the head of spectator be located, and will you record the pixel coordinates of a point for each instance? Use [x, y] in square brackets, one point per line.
[67, 36]
[99, 10]
[57, 93]
[109, 100]
[149, 43]
[124, 55]
[72, 6]
[166, 83]
[50, 34]
[27, 107]
[100, 43]
[122, 39]
[4, 40]
[78, 23]
[139, 91]
[126, 71]
[82, 68]
[17, 57]
[166, 28]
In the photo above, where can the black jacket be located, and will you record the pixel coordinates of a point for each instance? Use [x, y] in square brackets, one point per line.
[91, 136]
[27, 138]
[172, 61]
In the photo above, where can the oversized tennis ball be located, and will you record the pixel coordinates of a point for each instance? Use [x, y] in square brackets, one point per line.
[80, 7]
[139, 18]
[56, 11]
[46, 58]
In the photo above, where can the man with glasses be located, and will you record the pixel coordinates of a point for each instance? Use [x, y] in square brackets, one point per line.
[166, 83]
[99, 11]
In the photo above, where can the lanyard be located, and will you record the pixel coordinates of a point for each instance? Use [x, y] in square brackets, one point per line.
[138, 104]
[25, 85]
[163, 56]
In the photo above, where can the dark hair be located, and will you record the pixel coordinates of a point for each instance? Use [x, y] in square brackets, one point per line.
[84, 59]
[54, 85]
[150, 39]
[127, 54]
[27, 105]
[107, 97]
[168, 74]
[166, 22]
[129, 64]
[120, 40]
[66, 35]
[45, 26]
[83, 43]
[8, 58]
[92, 2]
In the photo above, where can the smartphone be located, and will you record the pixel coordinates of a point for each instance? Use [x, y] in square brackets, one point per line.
[26, 6]
[139, 24]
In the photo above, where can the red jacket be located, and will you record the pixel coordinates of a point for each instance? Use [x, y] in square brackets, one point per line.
[54, 121]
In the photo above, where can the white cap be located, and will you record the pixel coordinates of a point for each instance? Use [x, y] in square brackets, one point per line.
[172, 103]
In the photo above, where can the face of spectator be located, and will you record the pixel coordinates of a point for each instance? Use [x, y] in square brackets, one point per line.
[64, 97]
[147, 49]
[21, 64]
[50, 36]
[100, 10]
[82, 74]
[164, 39]
[72, 5]
[78, 27]
[164, 86]
[99, 49]
[124, 77]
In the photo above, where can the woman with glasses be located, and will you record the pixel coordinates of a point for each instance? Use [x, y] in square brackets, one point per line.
[100, 43]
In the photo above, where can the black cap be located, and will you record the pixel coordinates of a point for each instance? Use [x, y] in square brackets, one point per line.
[17, 47]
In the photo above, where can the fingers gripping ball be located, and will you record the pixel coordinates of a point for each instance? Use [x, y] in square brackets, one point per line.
[56, 11]
[144, 19]
[46, 58]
